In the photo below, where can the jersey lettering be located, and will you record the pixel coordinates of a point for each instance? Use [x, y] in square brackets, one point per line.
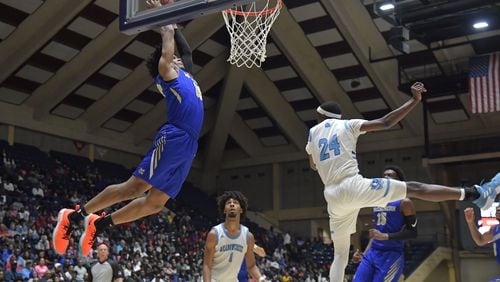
[325, 145]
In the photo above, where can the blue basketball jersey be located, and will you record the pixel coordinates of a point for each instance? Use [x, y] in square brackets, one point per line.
[389, 219]
[496, 242]
[184, 102]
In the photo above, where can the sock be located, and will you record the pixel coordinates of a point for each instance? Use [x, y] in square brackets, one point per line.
[103, 222]
[462, 194]
[471, 193]
[78, 215]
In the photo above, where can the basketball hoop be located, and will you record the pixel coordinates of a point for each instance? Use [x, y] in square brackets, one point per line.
[248, 27]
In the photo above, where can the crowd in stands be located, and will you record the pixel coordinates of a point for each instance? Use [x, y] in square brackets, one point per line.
[165, 247]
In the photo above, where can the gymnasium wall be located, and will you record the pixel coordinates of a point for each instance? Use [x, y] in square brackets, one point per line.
[301, 187]
[3, 132]
[478, 269]
[255, 182]
[409, 159]
[46, 142]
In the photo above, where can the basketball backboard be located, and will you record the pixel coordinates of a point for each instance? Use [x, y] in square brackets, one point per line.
[135, 17]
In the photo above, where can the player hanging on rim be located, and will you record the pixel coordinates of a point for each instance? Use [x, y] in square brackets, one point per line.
[383, 258]
[332, 152]
[166, 164]
[230, 242]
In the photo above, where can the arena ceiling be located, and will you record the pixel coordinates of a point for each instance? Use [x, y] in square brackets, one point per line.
[68, 71]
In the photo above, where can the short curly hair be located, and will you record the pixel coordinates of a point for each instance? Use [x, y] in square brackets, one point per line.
[237, 195]
[397, 170]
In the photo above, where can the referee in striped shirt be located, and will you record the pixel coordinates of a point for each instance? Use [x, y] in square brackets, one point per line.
[105, 269]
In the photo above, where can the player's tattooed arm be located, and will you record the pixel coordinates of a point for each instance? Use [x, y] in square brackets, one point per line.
[165, 69]
[392, 118]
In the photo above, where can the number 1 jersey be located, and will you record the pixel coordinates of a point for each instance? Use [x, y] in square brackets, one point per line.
[229, 254]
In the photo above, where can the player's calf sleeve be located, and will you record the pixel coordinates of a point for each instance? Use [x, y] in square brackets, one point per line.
[78, 215]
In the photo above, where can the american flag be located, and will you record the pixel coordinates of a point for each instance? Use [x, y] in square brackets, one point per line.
[484, 83]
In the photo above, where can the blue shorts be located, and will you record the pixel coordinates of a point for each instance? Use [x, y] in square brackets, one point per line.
[380, 266]
[243, 273]
[168, 161]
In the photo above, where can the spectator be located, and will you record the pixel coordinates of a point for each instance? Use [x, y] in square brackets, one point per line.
[70, 274]
[41, 269]
[81, 271]
[37, 191]
[43, 244]
[28, 272]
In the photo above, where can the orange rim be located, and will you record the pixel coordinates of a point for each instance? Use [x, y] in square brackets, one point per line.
[254, 14]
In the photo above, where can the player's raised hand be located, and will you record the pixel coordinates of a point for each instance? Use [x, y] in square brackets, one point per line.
[153, 3]
[469, 215]
[357, 256]
[417, 89]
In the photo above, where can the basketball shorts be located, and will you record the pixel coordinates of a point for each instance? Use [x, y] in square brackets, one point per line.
[345, 199]
[380, 266]
[168, 161]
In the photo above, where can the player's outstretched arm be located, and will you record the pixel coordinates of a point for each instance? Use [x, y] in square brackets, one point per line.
[392, 118]
[250, 259]
[479, 239]
[165, 68]
[210, 244]
[184, 50]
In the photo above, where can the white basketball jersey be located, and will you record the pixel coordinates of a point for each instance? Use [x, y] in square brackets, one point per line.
[332, 145]
[229, 254]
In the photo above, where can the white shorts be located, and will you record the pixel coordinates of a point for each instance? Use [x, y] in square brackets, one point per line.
[346, 198]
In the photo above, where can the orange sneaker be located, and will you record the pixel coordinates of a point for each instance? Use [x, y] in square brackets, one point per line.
[62, 232]
[88, 236]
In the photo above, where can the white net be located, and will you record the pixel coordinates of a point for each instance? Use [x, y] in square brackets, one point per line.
[248, 27]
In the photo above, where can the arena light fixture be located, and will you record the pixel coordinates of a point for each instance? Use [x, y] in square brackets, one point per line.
[480, 25]
[386, 7]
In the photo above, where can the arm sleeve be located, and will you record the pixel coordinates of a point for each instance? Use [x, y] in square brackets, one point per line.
[117, 270]
[184, 51]
[408, 232]
[90, 277]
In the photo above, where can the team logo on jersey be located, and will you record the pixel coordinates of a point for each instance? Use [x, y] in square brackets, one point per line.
[141, 171]
[377, 184]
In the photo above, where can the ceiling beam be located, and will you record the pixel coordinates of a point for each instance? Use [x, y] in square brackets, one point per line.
[207, 77]
[82, 66]
[358, 29]
[35, 31]
[245, 137]
[289, 36]
[264, 90]
[226, 107]
[133, 85]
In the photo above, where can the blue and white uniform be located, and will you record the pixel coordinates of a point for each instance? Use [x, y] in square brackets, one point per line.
[332, 145]
[384, 261]
[168, 161]
[229, 253]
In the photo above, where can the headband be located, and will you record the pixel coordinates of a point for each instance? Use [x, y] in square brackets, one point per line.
[327, 113]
